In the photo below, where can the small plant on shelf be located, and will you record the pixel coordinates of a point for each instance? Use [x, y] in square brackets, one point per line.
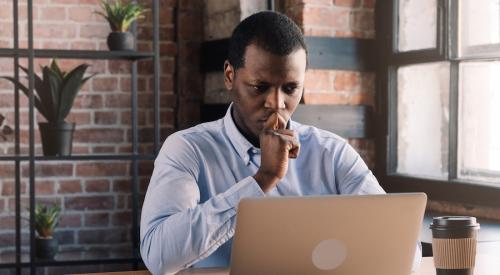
[46, 220]
[55, 94]
[5, 130]
[120, 16]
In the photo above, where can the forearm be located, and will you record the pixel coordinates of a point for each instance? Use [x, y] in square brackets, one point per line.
[176, 241]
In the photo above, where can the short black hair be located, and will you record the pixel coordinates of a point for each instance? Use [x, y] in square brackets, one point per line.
[271, 31]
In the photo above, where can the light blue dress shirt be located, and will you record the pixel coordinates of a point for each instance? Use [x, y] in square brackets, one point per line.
[200, 175]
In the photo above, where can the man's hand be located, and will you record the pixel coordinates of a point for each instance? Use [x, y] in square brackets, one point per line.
[277, 144]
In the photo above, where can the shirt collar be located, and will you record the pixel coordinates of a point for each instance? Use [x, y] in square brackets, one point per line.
[242, 146]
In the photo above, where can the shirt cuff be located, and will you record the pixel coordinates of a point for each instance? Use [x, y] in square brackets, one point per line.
[246, 188]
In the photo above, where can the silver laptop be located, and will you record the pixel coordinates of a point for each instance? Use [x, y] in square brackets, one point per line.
[349, 235]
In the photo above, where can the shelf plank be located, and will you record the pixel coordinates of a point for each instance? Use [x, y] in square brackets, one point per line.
[81, 157]
[77, 54]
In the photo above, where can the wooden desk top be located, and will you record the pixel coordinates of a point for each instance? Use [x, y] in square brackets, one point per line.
[485, 265]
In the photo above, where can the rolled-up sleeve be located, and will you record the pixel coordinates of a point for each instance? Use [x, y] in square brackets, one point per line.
[176, 230]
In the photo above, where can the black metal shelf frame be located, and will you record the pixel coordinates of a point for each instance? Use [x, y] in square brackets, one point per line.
[136, 156]
[77, 54]
[73, 262]
[30, 53]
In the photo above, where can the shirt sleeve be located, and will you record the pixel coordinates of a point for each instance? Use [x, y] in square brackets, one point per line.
[352, 176]
[176, 230]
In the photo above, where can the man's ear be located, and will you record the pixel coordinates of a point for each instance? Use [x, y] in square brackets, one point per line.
[228, 75]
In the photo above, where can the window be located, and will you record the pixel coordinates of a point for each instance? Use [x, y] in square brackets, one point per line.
[440, 98]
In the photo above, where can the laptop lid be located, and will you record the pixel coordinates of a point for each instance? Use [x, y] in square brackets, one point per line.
[349, 235]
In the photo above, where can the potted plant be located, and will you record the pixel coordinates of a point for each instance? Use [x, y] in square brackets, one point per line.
[120, 16]
[46, 220]
[5, 129]
[55, 94]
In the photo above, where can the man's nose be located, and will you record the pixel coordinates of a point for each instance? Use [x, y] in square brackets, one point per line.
[275, 99]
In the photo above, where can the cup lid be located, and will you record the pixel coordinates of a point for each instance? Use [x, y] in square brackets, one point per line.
[453, 221]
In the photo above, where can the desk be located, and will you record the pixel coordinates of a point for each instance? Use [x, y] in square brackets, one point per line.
[485, 265]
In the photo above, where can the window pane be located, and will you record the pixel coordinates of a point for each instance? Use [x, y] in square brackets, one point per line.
[423, 92]
[417, 24]
[479, 23]
[479, 131]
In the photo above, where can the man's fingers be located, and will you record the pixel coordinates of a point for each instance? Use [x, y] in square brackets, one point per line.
[280, 122]
[290, 140]
[275, 122]
[271, 122]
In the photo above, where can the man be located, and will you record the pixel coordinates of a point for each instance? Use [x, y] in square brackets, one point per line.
[201, 173]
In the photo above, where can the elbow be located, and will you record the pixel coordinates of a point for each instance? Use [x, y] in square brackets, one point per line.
[153, 257]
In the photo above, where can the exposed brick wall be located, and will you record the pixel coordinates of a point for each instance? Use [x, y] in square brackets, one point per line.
[346, 19]
[94, 196]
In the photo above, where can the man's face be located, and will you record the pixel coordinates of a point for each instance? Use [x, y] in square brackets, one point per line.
[266, 84]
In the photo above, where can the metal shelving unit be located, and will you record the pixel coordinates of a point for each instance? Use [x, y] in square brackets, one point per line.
[30, 53]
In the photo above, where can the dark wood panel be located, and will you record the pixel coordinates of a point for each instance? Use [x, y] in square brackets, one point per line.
[346, 121]
[341, 53]
[324, 53]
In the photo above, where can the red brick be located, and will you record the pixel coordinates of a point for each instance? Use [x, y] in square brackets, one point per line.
[54, 31]
[95, 135]
[83, 45]
[338, 98]
[318, 80]
[70, 220]
[81, 14]
[94, 31]
[315, 2]
[50, 170]
[121, 185]
[79, 118]
[121, 219]
[8, 170]
[8, 188]
[347, 81]
[52, 13]
[119, 67]
[363, 20]
[166, 83]
[88, 203]
[370, 4]
[55, 45]
[96, 220]
[168, 49]
[96, 186]
[8, 223]
[70, 187]
[103, 149]
[348, 3]
[102, 236]
[88, 101]
[116, 101]
[105, 118]
[166, 18]
[126, 119]
[120, 202]
[102, 169]
[107, 84]
[44, 187]
[167, 66]
[318, 31]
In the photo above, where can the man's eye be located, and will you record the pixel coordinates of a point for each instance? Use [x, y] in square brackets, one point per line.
[289, 89]
[260, 88]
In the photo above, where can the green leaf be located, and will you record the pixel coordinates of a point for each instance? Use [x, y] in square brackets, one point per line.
[55, 68]
[70, 87]
[53, 89]
[38, 105]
